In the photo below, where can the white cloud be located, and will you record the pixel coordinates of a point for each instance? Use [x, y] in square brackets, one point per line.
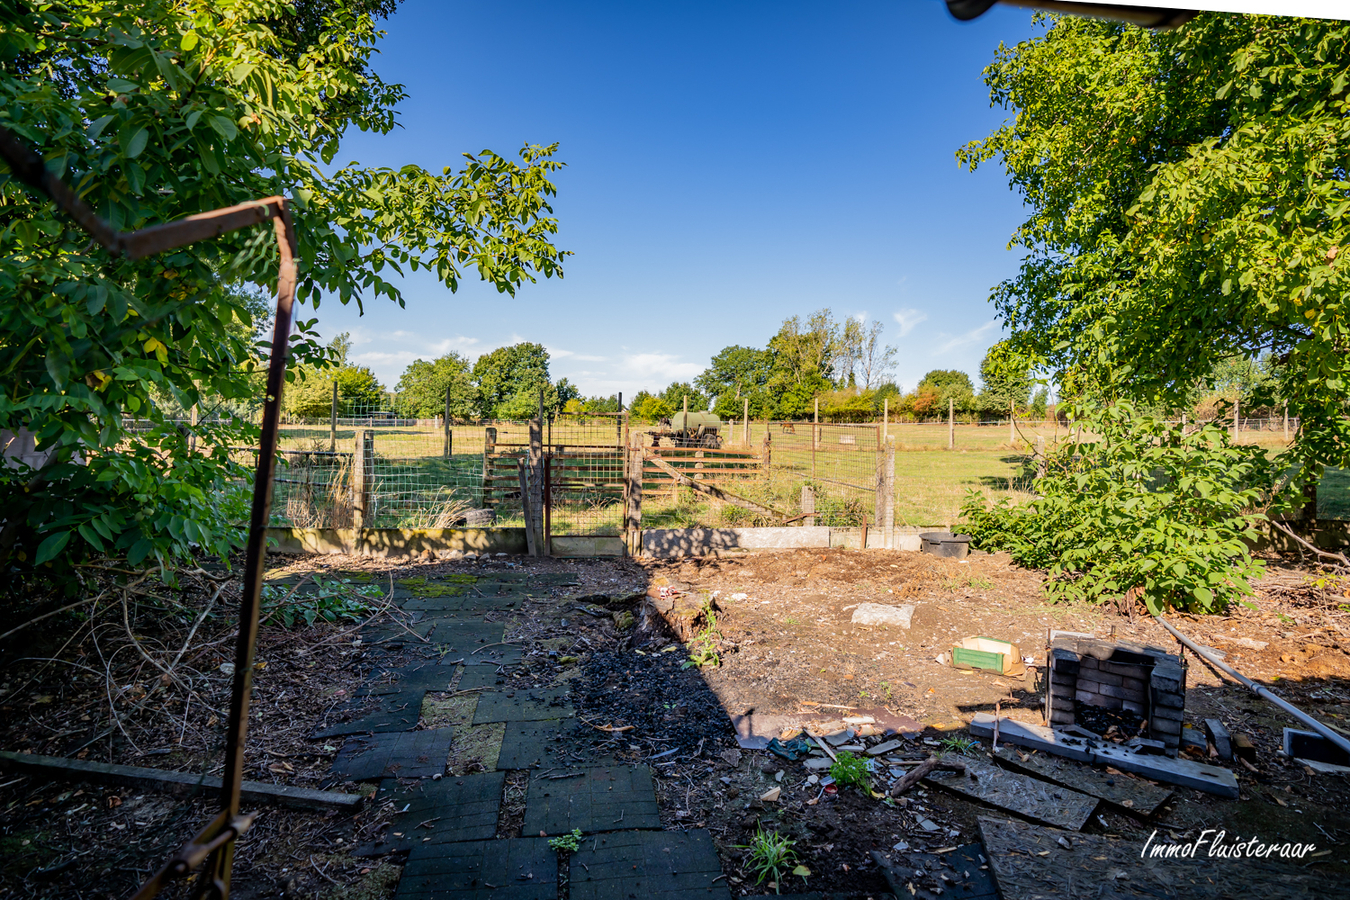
[557, 353]
[658, 369]
[970, 337]
[909, 319]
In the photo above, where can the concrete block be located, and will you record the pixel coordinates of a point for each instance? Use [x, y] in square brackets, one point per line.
[1223, 743]
[668, 542]
[1064, 661]
[1168, 678]
[1121, 693]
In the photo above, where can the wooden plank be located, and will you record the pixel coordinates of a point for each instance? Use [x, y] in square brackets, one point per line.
[1122, 792]
[1021, 795]
[174, 782]
[712, 491]
[1031, 863]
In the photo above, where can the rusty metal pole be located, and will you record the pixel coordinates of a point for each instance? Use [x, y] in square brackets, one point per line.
[218, 867]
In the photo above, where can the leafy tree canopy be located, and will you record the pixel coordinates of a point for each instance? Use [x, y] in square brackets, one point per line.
[1189, 197]
[948, 384]
[506, 372]
[155, 111]
[676, 393]
[1006, 375]
[423, 385]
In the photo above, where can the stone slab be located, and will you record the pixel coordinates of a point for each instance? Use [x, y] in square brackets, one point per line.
[966, 868]
[449, 810]
[1035, 737]
[375, 714]
[1123, 792]
[515, 869]
[407, 754]
[1181, 772]
[476, 676]
[544, 746]
[880, 614]
[525, 706]
[1022, 795]
[605, 798]
[1223, 743]
[419, 677]
[1030, 863]
[651, 865]
[484, 655]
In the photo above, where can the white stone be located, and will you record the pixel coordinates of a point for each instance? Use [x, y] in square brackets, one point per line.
[878, 614]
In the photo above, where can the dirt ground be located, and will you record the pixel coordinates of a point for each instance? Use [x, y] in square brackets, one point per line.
[779, 644]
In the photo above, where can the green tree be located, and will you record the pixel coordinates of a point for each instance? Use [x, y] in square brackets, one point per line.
[804, 357]
[738, 372]
[1189, 199]
[423, 385]
[1006, 375]
[157, 111]
[675, 395]
[652, 409]
[506, 372]
[945, 385]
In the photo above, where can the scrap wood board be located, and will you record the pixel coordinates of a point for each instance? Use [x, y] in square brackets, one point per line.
[1021, 795]
[1123, 792]
[1030, 863]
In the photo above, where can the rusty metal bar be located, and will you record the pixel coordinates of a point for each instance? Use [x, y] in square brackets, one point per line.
[215, 843]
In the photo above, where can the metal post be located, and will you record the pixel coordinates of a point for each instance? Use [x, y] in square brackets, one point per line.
[746, 421]
[951, 424]
[332, 422]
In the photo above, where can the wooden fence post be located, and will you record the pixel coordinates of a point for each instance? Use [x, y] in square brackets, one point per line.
[809, 506]
[768, 451]
[1286, 421]
[192, 435]
[632, 505]
[449, 438]
[332, 422]
[1040, 456]
[363, 455]
[1012, 422]
[815, 436]
[890, 494]
[951, 424]
[531, 544]
[489, 448]
[535, 517]
[745, 438]
[886, 419]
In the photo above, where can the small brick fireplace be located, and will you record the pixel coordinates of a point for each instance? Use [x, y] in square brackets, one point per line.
[1146, 681]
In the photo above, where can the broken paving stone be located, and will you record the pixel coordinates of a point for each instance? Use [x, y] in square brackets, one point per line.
[731, 757]
[840, 737]
[926, 823]
[818, 763]
[882, 749]
[879, 614]
[771, 795]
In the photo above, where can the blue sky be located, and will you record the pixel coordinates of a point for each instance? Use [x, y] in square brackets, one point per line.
[729, 165]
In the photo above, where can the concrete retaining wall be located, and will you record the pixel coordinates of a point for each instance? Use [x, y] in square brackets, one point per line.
[396, 541]
[658, 542]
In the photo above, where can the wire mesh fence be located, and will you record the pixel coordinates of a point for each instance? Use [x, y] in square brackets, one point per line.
[384, 471]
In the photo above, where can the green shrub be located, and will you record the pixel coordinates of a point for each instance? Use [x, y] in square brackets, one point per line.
[329, 601]
[1135, 503]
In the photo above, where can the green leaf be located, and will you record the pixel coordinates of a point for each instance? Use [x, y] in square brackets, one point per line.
[224, 127]
[96, 127]
[136, 145]
[188, 42]
[802, 871]
[122, 86]
[51, 546]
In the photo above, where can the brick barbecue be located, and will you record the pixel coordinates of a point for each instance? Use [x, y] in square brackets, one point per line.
[1146, 681]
